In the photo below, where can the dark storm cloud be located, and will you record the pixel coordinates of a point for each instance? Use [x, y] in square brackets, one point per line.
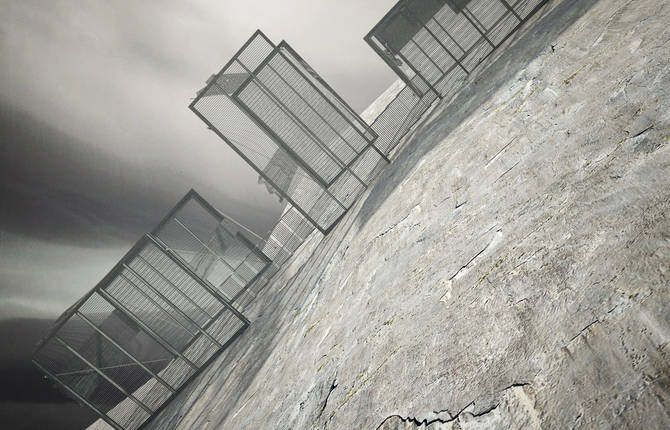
[55, 187]
[52, 187]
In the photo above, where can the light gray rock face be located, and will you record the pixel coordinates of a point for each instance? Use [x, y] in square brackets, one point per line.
[510, 269]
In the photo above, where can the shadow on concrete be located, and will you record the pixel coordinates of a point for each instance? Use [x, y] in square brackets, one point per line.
[523, 47]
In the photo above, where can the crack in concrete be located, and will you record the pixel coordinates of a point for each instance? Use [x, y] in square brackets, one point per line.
[469, 263]
[452, 417]
[594, 322]
[651, 127]
[333, 385]
[501, 151]
[392, 227]
[507, 171]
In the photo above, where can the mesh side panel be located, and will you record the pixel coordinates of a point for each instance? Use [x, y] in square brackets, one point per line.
[284, 239]
[444, 50]
[177, 372]
[369, 165]
[177, 315]
[444, 44]
[331, 124]
[169, 287]
[200, 350]
[524, 8]
[128, 414]
[130, 345]
[247, 298]
[287, 123]
[298, 138]
[255, 52]
[153, 394]
[399, 116]
[111, 360]
[344, 109]
[125, 332]
[389, 123]
[347, 188]
[150, 313]
[83, 380]
[224, 327]
[178, 279]
[214, 247]
[263, 153]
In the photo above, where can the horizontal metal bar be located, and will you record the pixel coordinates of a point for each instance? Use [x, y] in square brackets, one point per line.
[206, 284]
[176, 288]
[173, 306]
[104, 376]
[79, 397]
[146, 328]
[113, 342]
[155, 303]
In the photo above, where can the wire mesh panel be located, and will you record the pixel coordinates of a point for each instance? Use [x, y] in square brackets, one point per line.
[283, 240]
[433, 45]
[130, 345]
[399, 116]
[292, 128]
[215, 247]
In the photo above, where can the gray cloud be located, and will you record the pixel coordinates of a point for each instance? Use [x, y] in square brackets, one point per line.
[96, 138]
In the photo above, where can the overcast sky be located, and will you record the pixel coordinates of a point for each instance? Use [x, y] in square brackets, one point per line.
[96, 138]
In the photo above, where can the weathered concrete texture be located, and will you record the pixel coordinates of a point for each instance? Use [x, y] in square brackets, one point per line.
[511, 269]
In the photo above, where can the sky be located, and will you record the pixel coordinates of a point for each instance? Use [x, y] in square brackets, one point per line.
[96, 138]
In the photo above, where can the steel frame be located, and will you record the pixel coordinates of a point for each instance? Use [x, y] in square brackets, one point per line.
[401, 9]
[201, 331]
[193, 195]
[287, 53]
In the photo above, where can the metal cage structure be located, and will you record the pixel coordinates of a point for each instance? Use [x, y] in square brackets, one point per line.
[156, 320]
[217, 248]
[433, 45]
[399, 116]
[302, 139]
